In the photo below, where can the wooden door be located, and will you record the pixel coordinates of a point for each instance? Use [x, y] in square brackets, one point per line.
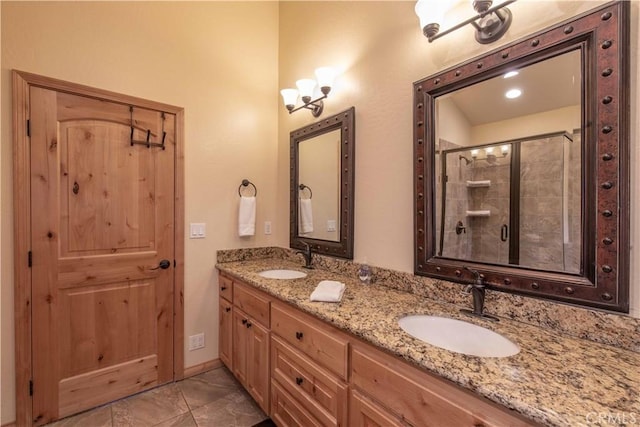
[258, 364]
[102, 222]
[225, 332]
[240, 346]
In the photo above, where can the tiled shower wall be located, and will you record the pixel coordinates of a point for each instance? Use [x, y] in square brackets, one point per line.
[550, 204]
[457, 203]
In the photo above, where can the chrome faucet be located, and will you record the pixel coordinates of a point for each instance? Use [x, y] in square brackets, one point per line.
[307, 254]
[477, 290]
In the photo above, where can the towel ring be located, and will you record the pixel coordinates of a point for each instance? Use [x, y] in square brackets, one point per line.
[302, 187]
[246, 183]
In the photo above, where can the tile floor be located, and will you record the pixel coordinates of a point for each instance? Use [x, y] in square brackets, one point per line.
[210, 399]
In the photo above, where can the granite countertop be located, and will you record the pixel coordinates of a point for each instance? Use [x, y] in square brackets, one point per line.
[556, 380]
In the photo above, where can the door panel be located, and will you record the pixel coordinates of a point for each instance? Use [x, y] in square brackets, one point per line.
[102, 220]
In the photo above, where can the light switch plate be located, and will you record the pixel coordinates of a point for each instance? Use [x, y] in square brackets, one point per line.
[331, 225]
[267, 227]
[197, 230]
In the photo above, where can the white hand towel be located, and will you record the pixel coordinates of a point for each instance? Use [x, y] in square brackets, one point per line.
[247, 216]
[306, 216]
[328, 291]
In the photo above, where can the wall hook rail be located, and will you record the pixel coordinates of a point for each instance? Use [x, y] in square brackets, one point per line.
[147, 142]
[246, 183]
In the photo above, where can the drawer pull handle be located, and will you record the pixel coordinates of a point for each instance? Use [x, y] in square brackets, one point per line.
[299, 335]
[248, 324]
[224, 288]
[228, 309]
[244, 321]
[299, 380]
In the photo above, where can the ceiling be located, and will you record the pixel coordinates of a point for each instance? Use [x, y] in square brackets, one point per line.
[547, 85]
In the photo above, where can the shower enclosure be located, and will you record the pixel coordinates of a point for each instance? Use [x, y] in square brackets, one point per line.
[514, 202]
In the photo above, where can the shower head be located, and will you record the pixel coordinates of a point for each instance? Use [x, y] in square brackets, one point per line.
[460, 157]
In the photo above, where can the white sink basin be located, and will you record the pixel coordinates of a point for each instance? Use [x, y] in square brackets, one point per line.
[282, 274]
[458, 336]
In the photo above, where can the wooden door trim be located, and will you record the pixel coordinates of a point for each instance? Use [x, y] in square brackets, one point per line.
[22, 81]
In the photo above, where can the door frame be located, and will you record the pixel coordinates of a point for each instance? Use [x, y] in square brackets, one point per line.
[22, 81]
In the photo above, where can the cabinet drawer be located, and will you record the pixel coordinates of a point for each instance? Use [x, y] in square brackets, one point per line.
[251, 302]
[365, 413]
[311, 337]
[320, 392]
[226, 287]
[286, 412]
[420, 398]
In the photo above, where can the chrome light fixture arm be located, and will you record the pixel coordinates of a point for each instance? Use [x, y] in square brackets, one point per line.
[484, 35]
[316, 106]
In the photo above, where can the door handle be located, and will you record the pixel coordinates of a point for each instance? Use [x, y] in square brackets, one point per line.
[504, 233]
[164, 264]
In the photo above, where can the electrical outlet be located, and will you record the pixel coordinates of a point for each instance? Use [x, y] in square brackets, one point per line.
[196, 341]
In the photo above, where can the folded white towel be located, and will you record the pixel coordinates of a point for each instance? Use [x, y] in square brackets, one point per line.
[247, 216]
[328, 291]
[306, 216]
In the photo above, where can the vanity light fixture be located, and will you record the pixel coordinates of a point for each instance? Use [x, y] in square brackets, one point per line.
[490, 22]
[306, 87]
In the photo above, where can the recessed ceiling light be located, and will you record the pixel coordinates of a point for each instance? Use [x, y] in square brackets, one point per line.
[513, 93]
[510, 74]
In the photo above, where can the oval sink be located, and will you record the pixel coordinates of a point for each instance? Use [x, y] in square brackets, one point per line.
[458, 336]
[282, 274]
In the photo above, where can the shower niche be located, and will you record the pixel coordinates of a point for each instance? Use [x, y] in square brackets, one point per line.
[515, 202]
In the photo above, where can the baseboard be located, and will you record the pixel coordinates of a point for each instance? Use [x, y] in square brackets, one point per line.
[200, 368]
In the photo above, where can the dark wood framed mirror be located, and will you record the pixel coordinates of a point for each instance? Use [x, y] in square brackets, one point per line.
[532, 192]
[321, 189]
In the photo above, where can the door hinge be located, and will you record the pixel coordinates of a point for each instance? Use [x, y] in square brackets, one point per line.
[29, 128]
[30, 387]
[30, 258]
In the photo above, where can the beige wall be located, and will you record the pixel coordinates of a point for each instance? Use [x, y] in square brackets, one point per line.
[381, 51]
[218, 61]
[562, 119]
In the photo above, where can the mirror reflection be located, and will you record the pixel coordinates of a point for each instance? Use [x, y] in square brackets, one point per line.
[319, 186]
[508, 177]
[321, 193]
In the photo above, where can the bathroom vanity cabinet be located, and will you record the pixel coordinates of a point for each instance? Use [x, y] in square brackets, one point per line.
[304, 372]
[244, 337]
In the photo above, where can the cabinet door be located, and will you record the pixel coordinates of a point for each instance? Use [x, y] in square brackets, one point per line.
[240, 345]
[365, 413]
[225, 333]
[287, 412]
[258, 363]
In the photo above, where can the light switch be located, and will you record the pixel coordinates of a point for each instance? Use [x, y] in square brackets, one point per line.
[331, 225]
[267, 227]
[198, 230]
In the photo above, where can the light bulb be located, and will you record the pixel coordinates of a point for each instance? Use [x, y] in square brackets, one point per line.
[290, 97]
[504, 149]
[474, 153]
[306, 86]
[513, 93]
[325, 76]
